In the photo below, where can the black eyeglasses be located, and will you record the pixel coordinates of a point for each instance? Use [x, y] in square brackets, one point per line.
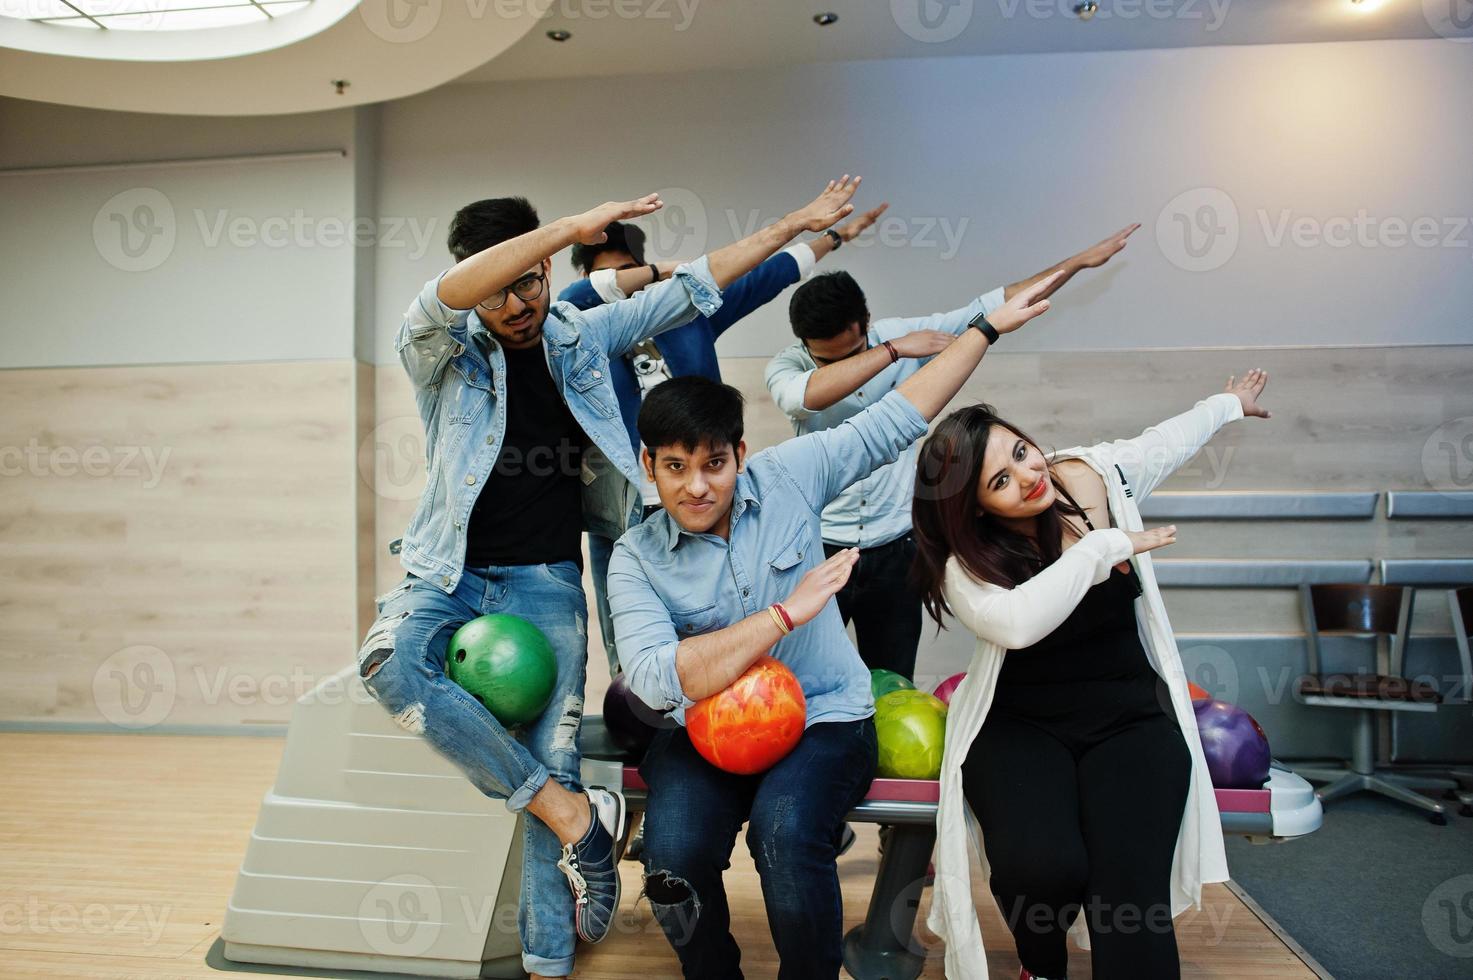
[527, 289]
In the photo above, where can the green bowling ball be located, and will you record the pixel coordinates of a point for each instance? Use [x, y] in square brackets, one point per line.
[882, 682]
[505, 663]
[911, 729]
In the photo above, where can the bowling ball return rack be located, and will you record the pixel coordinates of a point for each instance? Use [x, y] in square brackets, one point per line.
[884, 946]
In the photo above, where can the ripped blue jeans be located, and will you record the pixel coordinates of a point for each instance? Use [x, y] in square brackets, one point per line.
[795, 813]
[402, 662]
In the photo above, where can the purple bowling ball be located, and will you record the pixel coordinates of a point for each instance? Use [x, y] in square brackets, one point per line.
[1234, 744]
[630, 722]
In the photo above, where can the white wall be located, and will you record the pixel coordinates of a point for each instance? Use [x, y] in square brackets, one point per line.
[1027, 157]
[245, 261]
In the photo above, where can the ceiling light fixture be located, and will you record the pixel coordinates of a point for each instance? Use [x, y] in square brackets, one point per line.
[560, 36]
[825, 19]
[1086, 9]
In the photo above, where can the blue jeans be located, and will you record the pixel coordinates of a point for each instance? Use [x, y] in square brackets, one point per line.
[796, 811]
[600, 549]
[402, 663]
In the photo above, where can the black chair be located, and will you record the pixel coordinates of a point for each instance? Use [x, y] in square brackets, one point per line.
[1381, 611]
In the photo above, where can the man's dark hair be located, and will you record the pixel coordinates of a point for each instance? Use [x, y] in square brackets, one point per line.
[826, 305]
[476, 227]
[691, 412]
[622, 238]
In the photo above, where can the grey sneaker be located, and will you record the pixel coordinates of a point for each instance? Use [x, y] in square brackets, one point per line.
[590, 867]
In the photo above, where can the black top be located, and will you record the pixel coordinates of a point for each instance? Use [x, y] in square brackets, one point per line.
[530, 510]
[1091, 674]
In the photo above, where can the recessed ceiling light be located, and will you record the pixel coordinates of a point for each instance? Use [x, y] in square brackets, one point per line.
[1086, 9]
[825, 19]
[559, 36]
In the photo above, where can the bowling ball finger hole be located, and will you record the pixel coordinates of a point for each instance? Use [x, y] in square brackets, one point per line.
[460, 659]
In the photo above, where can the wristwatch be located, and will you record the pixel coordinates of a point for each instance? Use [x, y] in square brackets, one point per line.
[988, 330]
[834, 237]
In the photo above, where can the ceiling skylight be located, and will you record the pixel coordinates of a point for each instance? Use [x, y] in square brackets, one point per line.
[154, 15]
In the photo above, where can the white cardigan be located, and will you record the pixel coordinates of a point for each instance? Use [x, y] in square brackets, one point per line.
[1007, 619]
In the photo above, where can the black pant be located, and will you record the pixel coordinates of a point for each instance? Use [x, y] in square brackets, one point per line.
[795, 814]
[1072, 829]
[885, 609]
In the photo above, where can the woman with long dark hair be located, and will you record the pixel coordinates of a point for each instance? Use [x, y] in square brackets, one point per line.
[1072, 738]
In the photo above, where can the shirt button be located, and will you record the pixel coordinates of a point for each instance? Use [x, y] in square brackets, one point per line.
[470, 479]
[490, 440]
[445, 580]
[800, 555]
[598, 374]
[746, 592]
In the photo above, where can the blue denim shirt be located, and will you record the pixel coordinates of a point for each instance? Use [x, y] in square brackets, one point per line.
[666, 584]
[691, 349]
[459, 375]
[876, 510]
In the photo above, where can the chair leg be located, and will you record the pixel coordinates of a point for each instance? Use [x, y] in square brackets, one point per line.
[1417, 780]
[1403, 795]
[1350, 782]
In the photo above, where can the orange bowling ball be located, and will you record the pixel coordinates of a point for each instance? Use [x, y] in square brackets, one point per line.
[750, 726]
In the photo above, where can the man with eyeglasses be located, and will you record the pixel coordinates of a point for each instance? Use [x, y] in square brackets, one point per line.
[615, 269]
[525, 447]
[841, 365]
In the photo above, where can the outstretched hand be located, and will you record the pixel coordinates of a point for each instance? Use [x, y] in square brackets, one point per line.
[830, 206]
[1100, 252]
[820, 584]
[856, 226]
[1248, 388]
[589, 227]
[1024, 306]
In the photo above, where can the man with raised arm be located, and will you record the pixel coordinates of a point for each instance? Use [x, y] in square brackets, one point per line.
[615, 269]
[731, 569]
[840, 365]
[525, 447]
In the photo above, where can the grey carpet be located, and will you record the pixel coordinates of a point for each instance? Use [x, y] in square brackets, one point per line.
[1377, 892]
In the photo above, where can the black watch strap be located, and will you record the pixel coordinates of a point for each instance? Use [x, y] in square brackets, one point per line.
[834, 237]
[988, 330]
[654, 273]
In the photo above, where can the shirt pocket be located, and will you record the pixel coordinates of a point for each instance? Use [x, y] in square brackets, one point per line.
[694, 622]
[589, 377]
[788, 558]
[470, 393]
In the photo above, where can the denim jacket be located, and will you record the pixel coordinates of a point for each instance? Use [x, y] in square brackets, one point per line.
[458, 371]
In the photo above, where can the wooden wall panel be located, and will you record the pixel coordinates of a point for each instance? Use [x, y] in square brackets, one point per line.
[251, 552]
[207, 590]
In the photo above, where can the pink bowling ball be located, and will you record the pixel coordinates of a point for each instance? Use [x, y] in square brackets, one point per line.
[946, 687]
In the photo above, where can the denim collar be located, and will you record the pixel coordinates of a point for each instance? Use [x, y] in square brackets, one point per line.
[743, 496]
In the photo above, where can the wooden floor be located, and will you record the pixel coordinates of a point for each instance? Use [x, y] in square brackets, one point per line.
[118, 853]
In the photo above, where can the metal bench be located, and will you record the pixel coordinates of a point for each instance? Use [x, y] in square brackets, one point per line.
[884, 947]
